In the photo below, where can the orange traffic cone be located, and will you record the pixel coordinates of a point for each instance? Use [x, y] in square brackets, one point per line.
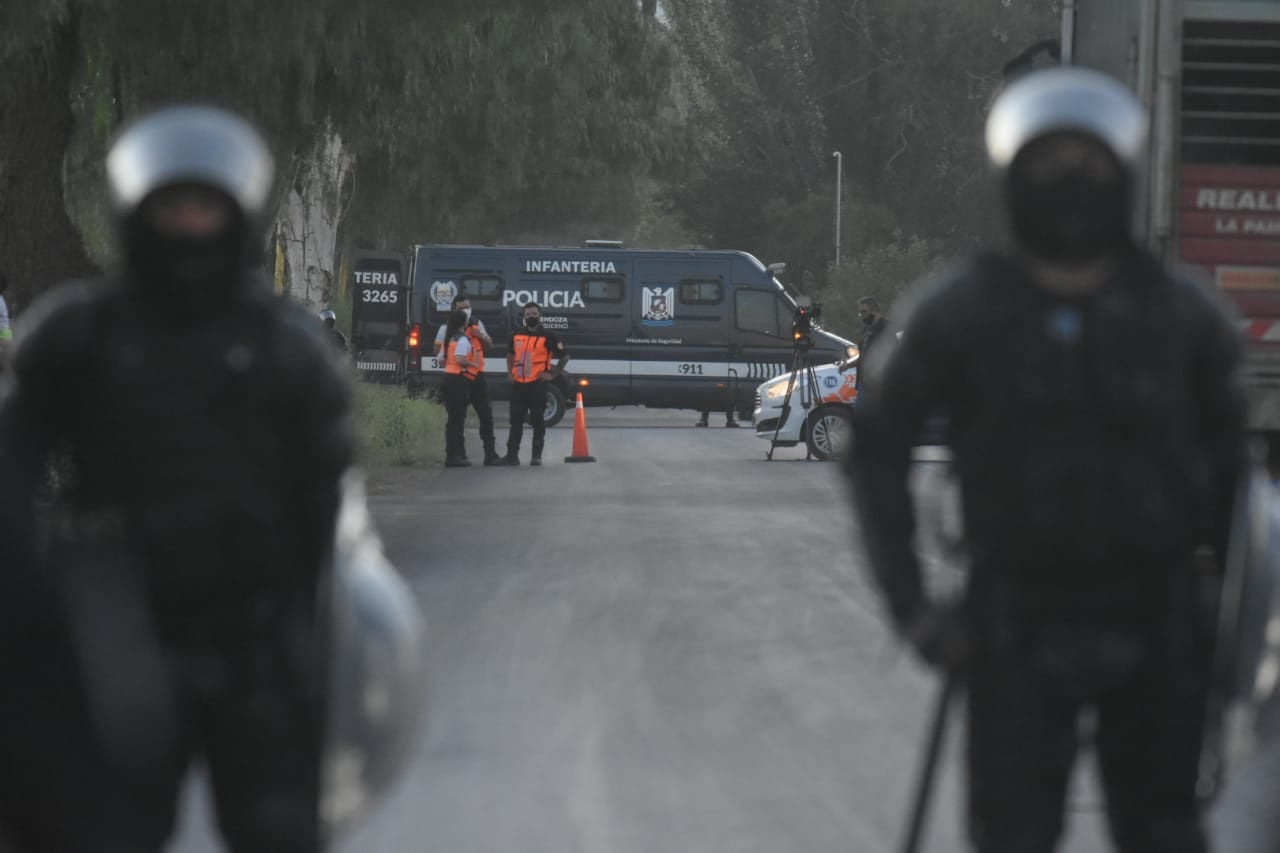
[580, 451]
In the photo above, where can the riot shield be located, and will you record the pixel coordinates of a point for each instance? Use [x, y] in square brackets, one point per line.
[1247, 661]
[378, 671]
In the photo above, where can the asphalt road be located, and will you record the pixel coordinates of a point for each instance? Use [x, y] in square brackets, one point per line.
[672, 649]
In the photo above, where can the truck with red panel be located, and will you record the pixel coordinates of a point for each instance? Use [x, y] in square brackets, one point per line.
[1209, 71]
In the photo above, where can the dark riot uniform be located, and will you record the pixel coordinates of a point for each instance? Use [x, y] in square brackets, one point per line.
[174, 613]
[1096, 439]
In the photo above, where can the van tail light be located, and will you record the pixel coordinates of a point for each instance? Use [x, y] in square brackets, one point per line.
[415, 337]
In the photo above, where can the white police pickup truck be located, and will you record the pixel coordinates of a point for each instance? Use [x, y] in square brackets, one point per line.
[824, 424]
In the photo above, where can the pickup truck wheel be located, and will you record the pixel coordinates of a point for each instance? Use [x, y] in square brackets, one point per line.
[829, 432]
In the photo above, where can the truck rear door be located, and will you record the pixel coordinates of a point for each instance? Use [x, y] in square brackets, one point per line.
[1229, 200]
[379, 314]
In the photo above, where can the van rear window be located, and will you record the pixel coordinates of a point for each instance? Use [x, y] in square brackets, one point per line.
[480, 287]
[602, 289]
[701, 292]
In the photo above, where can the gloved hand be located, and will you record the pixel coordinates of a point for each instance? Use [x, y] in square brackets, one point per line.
[939, 635]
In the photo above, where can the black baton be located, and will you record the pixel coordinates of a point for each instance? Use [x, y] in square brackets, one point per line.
[929, 768]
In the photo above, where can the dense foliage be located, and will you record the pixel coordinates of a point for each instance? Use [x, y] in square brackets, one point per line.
[682, 122]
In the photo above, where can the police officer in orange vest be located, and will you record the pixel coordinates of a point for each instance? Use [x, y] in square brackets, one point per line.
[529, 356]
[460, 369]
[479, 387]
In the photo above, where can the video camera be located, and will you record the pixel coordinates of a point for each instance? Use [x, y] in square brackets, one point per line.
[802, 321]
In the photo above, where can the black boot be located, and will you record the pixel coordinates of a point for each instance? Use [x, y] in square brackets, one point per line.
[511, 458]
[457, 462]
[536, 458]
[491, 457]
[732, 424]
[702, 422]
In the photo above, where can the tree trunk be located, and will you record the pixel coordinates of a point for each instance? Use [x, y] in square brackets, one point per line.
[310, 217]
[39, 246]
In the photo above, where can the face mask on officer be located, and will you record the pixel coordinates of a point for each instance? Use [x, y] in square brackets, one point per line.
[187, 246]
[1069, 200]
[532, 320]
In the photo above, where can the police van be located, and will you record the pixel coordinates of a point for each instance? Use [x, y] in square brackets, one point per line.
[664, 329]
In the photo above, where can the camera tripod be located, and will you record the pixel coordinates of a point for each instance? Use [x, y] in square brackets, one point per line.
[801, 371]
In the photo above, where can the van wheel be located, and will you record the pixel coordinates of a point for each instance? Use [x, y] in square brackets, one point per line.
[557, 405]
[829, 432]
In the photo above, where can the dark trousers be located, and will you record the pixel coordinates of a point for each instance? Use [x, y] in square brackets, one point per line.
[484, 412]
[243, 691]
[527, 398]
[457, 394]
[728, 414]
[1144, 677]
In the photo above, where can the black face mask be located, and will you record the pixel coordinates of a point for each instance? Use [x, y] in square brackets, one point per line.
[183, 275]
[1072, 220]
[868, 319]
[532, 322]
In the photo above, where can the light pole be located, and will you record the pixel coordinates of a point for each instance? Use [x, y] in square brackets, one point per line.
[839, 175]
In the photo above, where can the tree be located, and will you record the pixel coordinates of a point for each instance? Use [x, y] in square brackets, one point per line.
[38, 244]
[747, 66]
[906, 86]
[438, 119]
[900, 88]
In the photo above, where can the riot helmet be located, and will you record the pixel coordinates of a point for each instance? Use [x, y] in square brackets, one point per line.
[188, 187]
[1068, 144]
[329, 318]
[377, 676]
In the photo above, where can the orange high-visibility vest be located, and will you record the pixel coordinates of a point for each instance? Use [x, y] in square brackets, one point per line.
[531, 358]
[466, 369]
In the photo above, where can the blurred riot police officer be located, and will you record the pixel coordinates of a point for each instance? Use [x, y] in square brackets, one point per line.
[330, 320]
[1096, 427]
[175, 613]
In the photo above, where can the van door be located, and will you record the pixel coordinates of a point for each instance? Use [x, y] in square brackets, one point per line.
[379, 315]
[762, 334]
[680, 334]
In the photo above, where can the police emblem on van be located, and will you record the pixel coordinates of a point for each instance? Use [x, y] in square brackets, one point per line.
[442, 294]
[657, 306]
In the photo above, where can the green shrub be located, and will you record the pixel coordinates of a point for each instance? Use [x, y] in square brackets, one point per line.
[396, 429]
